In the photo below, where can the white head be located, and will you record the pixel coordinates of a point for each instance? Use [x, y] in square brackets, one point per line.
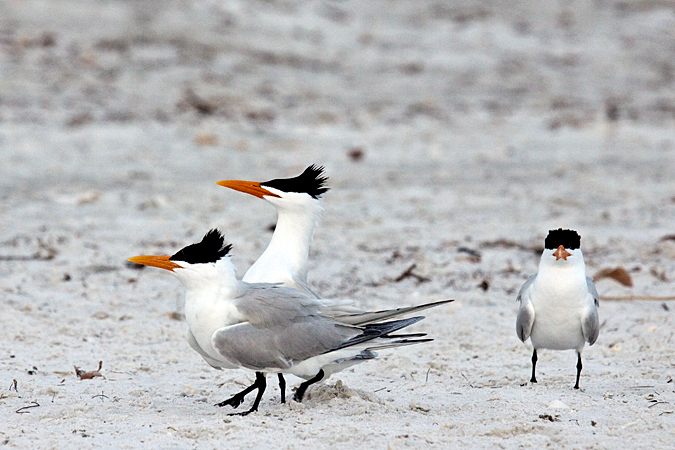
[202, 264]
[562, 248]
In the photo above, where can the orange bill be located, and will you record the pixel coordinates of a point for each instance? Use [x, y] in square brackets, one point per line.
[163, 262]
[248, 187]
[561, 253]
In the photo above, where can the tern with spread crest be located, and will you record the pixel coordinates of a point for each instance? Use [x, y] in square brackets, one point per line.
[269, 328]
[559, 304]
[298, 204]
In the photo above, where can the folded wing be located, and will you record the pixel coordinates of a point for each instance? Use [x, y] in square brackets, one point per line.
[525, 318]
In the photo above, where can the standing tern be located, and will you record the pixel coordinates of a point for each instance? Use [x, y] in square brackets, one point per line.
[298, 204]
[264, 327]
[559, 304]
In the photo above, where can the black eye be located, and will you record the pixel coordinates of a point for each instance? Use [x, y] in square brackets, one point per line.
[311, 181]
[569, 239]
[211, 248]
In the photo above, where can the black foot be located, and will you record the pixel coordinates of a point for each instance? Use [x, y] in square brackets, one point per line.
[242, 414]
[233, 401]
[303, 387]
[282, 387]
[238, 398]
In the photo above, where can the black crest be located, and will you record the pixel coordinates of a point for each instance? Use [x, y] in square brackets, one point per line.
[569, 239]
[209, 250]
[312, 181]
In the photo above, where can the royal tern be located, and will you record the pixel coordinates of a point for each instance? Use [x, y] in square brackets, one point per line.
[559, 304]
[298, 204]
[264, 327]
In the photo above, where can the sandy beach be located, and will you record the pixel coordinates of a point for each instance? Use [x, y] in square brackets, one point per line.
[454, 135]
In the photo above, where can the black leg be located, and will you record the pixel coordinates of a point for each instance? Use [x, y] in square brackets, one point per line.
[282, 387]
[534, 366]
[303, 387]
[261, 384]
[236, 399]
[579, 366]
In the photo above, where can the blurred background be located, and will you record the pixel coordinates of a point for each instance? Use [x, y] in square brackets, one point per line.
[437, 121]
[507, 117]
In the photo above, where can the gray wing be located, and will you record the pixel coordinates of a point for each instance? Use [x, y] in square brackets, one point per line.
[590, 322]
[282, 327]
[282, 345]
[593, 291]
[525, 318]
[267, 305]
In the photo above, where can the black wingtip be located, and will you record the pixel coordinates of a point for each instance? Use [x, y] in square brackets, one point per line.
[376, 330]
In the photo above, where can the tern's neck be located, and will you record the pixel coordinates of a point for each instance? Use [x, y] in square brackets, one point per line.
[570, 274]
[209, 300]
[288, 251]
[209, 277]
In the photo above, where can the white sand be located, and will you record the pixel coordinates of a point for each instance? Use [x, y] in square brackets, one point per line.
[479, 124]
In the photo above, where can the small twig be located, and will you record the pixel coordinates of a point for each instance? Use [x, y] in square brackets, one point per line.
[21, 410]
[467, 380]
[380, 389]
[658, 403]
[409, 273]
[45, 252]
[635, 297]
[101, 396]
[427, 377]
[202, 106]
[89, 375]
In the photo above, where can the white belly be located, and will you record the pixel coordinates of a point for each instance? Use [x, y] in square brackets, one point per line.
[557, 316]
[557, 333]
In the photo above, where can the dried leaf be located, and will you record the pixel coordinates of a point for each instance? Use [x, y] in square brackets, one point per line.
[176, 316]
[356, 154]
[618, 274]
[206, 139]
[89, 375]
